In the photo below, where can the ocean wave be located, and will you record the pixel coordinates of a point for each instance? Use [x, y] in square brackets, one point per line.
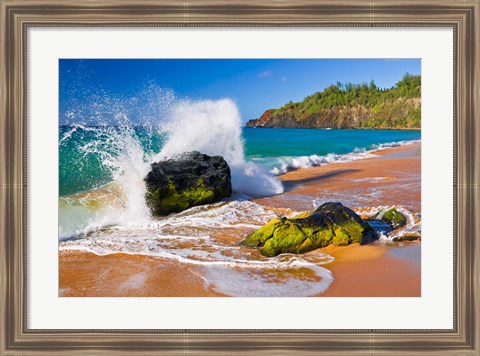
[282, 165]
[87, 213]
[383, 146]
[211, 127]
[214, 128]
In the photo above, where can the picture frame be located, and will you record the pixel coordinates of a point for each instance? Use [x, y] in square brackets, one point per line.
[17, 16]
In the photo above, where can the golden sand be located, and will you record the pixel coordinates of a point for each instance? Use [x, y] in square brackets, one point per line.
[85, 274]
[368, 271]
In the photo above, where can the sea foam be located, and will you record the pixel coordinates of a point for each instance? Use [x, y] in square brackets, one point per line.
[214, 128]
[413, 221]
[211, 127]
[206, 238]
[282, 165]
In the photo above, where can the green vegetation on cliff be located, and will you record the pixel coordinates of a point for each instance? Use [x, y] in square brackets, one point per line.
[352, 106]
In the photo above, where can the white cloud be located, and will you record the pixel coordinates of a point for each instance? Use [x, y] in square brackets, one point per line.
[284, 79]
[265, 74]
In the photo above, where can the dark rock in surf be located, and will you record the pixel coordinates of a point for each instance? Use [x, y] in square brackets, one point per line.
[187, 180]
[391, 216]
[411, 236]
[330, 223]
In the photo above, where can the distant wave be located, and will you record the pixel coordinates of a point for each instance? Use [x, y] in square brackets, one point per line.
[282, 165]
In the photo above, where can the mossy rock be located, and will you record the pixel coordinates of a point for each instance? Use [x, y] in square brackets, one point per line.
[185, 181]
[331, 223]
[413, 236]
[395, 218]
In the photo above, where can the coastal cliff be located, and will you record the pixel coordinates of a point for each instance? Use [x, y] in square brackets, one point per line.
[349, 105]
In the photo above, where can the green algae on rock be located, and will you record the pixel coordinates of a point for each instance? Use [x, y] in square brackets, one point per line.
[331, 223]
[395, 218]
[187, 180]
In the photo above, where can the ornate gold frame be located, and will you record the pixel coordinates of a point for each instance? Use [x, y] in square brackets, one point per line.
[17, 15]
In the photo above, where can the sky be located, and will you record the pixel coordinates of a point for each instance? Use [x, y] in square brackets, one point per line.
[254, 84]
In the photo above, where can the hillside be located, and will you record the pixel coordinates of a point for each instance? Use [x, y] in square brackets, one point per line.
[351, 106]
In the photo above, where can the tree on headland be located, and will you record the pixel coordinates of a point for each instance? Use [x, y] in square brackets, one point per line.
[349, 105]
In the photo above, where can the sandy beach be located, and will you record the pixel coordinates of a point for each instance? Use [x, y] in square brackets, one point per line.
[379, 269]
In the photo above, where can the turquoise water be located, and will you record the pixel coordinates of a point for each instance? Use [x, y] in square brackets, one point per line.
[86, 153]
[282, 149]
[305, 142]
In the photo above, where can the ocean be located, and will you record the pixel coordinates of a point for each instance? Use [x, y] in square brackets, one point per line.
[101, 188]
[85, 152]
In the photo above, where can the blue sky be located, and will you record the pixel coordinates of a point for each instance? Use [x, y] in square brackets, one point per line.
[254, 84]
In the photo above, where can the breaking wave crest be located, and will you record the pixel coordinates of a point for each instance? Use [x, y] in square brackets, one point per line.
[282, 165]
[124, 152]
[214, 128]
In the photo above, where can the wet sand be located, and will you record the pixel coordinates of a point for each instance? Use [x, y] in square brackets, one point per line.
[372, 271]
[85, 274]
[391, 178]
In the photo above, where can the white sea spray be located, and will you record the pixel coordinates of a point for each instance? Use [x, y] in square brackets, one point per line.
[215, 128]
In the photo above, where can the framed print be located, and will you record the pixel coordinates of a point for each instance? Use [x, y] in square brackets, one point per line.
[245, 177]
[200, 211]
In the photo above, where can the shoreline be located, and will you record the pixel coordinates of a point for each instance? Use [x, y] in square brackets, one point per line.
[369, 270]
[356, 183]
